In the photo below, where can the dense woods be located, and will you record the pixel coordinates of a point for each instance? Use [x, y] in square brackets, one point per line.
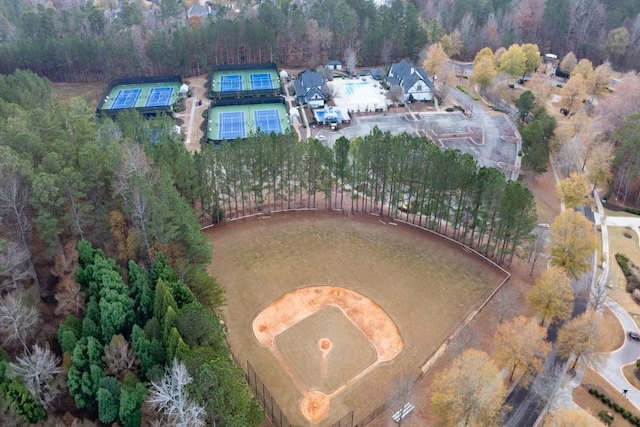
[79, 42]
[399, 176]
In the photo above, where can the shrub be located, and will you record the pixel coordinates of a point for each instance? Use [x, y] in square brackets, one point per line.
[449, 109]
[623, 262]
[593, 391]
[632, 211]
[616, 407]
[626, 415]
[606, 417]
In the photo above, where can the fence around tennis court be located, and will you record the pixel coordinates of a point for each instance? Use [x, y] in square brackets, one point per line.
[146, 111]
[212, 132]
[270, 67]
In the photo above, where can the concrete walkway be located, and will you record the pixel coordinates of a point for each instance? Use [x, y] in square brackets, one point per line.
[611, 367]
[611, 370]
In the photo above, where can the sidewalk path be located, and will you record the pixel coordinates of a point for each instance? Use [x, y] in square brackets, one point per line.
[611, 370]
[629, 352]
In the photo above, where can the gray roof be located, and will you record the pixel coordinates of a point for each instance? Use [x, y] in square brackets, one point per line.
[377, 73]
[407, 75]
[311, 79]
[402, 68]
[335, 62]
[197, 10]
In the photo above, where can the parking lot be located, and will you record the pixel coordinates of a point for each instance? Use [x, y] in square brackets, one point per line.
[490, 137]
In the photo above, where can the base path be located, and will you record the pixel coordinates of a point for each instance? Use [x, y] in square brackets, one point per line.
[372, 321]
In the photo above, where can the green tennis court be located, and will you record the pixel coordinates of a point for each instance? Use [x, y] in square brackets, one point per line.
[232, 81]
[240, 121]
[142, 95]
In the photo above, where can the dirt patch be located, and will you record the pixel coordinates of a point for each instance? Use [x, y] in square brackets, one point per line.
[426, 285]
[192, 132]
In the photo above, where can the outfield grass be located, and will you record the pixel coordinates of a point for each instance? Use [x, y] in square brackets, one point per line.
[427, 286]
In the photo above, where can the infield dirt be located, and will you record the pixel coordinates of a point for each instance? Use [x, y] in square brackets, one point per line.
[424, 283]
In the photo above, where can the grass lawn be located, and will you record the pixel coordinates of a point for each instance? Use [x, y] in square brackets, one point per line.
[628, 371]
[613, 336]
[68, 92]
[425, 284]
[609, 212]
[594, 405]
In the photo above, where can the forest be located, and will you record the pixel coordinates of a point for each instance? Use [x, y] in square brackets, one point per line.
[107, 311]
[104, 261]
[78, 42]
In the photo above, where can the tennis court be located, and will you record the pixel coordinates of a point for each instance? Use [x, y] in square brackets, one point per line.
[126, 98]
[231, 83]
[227, 83]
[267, 121]
[240, 121]
[159, 97]
[231, 125]
[261, 81]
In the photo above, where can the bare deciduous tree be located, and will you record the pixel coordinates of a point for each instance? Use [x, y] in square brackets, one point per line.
[351, 59]
[38, 371]
[135, 178]
[14, 265]
[625, 101]
[547, 386]
[169, 396]
[537, 247]
[396, 94]
[119, 358]
[18, 322]
[70, 299]
[505, 303]
[14, 201]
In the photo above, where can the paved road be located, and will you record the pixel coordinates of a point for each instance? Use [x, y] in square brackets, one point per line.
[527, 406]
[628, 353]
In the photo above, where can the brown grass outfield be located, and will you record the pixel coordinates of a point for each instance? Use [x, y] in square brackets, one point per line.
[425, 284]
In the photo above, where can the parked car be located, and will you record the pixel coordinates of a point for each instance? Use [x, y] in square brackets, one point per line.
[633, 335]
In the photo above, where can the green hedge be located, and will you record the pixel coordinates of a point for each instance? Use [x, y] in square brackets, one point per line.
[633, 281]
[632, 211]
[604, 414]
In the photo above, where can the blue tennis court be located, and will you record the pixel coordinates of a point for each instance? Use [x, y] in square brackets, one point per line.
[126, 98]
[159, 97]
[268, 121]
[261, 81]
[230, 83]
[231, 125]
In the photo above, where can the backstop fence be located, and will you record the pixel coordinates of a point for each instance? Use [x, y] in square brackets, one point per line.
[277, 417]
[270, 406]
